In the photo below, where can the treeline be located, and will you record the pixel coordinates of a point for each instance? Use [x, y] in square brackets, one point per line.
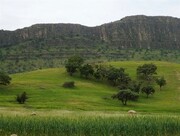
[129, 89]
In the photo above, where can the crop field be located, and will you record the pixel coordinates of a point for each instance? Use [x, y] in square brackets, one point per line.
[121, 125]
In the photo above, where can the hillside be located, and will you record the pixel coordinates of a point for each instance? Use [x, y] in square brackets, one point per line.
[129, 32]
[45, 91]
[131, 38]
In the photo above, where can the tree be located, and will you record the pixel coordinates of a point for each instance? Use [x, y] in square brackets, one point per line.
[117, 76]
[73, 64]
[100, 72]
[146, 72]
[4, 79]
[161, 82]
[86, 70]
[135, 86]
[123, 80]
[112, 75]
[125, 95]
[148, 90]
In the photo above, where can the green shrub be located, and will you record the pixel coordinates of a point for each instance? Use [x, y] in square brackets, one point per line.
[69, 84]
[21, 98]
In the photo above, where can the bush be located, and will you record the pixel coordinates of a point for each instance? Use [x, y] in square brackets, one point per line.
[21, 98]
[68, 84]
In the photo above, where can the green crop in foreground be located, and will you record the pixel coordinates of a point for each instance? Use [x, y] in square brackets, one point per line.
[129, 125]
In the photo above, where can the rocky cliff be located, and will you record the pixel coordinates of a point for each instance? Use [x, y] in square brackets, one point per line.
[129, 32]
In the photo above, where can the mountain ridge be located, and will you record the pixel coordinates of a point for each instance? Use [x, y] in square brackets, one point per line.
[131, 38]
[131, 31]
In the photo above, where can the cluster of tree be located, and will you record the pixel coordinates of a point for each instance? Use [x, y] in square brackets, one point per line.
[128, 89]
[115, 76]
[146, 76]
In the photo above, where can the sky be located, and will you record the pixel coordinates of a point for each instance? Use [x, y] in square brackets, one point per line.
[16, 14]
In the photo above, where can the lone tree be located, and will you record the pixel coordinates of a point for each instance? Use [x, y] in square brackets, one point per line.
[125, 95]
[73, 64]
[146, 72]
[4, 79]
[148, 90]
[161, 82]
[86, 70]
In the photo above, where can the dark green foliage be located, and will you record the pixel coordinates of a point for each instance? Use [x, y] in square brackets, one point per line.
[148, 90]
[123, 79]
[4, 78]
[86, 70]
[113, 74]
[135, 86]
[146, 72]
[69, 84]
[21, 98]
[100, 72]
[125, 95]
[73, 63]
[161, 82]
[117, 76]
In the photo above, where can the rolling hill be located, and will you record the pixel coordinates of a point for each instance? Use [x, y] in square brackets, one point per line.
[45, 91]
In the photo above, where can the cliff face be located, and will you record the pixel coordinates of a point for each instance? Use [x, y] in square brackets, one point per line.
[130, 32]
[145, 32]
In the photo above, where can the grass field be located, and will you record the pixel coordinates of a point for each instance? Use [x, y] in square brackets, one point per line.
[45, 91]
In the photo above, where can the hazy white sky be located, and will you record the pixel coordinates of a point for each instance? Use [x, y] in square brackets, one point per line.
[21, 13]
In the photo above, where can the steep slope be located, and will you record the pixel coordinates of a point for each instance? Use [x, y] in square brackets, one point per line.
[145, 32]
[130, 32]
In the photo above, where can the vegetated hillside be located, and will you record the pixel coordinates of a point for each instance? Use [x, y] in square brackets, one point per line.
[45, 91]
[131, 38]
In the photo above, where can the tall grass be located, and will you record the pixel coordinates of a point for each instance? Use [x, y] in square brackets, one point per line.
[91, 126]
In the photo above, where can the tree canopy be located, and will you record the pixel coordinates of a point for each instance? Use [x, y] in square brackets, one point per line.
[86, 70]
[125, 95]
[148, 90]
[161, 82]
[73, 63]
[146, 72]
[5, 79]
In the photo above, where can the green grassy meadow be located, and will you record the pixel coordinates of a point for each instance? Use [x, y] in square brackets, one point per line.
[45, 91]
[88, 108]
